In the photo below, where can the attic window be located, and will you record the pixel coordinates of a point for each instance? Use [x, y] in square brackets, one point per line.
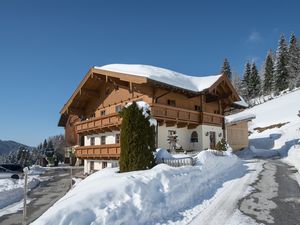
[102, 113]
[171, 102]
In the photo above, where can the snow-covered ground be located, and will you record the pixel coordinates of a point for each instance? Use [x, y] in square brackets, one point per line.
[12, 191]
[282, 141]
[207, 193]
[144, 197]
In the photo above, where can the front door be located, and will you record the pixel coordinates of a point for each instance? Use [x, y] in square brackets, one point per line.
[92, 166]
[212, 138]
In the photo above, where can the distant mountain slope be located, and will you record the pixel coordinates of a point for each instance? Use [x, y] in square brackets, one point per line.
[8, 146]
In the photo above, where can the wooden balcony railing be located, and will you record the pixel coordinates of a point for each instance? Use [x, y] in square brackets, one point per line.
[211, 119]
[165, 112]
[99, 124]
[160, 112]
[111, 151]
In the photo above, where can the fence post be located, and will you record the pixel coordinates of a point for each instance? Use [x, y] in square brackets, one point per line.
[25, 196]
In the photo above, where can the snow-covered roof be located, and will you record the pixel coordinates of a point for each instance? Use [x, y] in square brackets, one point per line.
[234, 118]
[192, 83]
[242, 102]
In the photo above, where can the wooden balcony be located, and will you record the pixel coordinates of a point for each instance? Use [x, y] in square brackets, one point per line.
[211, 119]
[183, 117]
[99, 124]
[171, 116]
[111, 151]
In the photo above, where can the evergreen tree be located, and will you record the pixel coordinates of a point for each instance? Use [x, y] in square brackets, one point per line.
[226, 69]
[50, 144]
[45, 144]
[268, 74]
[255, 83]
[294, 62]
[281, 66]
[237, 83]
[245, 87]
[137, 140]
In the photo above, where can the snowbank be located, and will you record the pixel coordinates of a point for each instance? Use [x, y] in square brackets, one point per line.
[279, 110]
[12, 191]
[193, 83]
[293, 156]
[141, 197]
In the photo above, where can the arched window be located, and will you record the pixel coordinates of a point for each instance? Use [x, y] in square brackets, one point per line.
[194, 137]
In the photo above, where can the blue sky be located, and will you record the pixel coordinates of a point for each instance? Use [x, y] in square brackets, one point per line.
[46, 47]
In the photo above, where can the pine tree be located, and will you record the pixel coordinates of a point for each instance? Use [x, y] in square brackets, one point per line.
[50, 144]
[226, 69]
[255, 83]
[294, 62]
[268, 74]
[237, 83]
[245, 89]
[281, 66]
[137, 140]
[45, 144]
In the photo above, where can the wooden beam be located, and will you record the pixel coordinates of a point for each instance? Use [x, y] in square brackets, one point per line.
[76, 111]
[90, 93]
[181, 125]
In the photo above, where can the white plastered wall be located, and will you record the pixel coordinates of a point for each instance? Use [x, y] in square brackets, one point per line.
[184, 137]
[98, 164]
[110, 138]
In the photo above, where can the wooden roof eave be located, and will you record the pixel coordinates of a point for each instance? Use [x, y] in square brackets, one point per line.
[76, 92]
[235, 96]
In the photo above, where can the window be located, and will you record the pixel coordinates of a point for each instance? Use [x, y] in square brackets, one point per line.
[92, 140]
[171, 132]
[118, 108]
[102, 113]
[194, 137]
[103, 140]
[117, 138]
[104, 165]
[198, 108]
[171, 102]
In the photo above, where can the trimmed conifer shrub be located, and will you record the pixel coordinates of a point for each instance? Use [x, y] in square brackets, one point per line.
[137, 140]
[221, 145]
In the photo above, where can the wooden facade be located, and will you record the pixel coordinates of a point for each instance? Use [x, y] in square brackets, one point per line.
[93, 107]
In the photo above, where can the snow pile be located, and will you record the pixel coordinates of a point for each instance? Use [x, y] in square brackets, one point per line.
[163, 154]
[36, 170]
[166, 76]
[279, 140]
[12, 191]
[279, 110]
[145, 107]
[293, 156]
[141, 197]
[264, 153]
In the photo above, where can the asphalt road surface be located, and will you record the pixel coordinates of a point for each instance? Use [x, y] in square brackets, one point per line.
[276, 196]
[44, 196]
